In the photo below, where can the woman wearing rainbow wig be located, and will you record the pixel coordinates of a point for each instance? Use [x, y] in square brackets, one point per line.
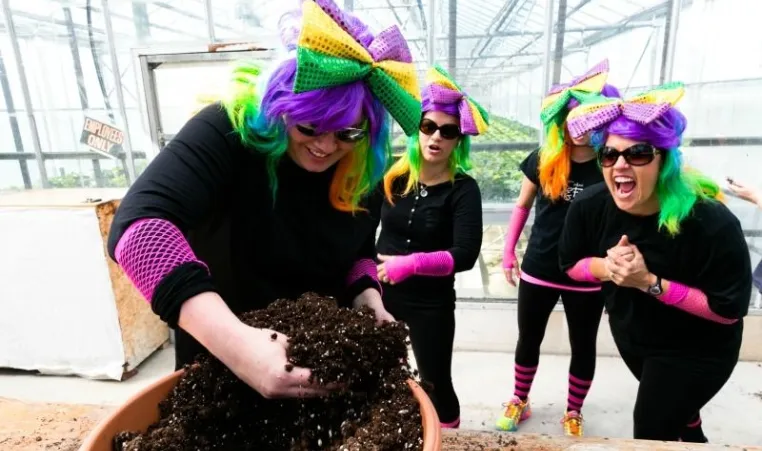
[431, 228]
[560, 170]
[265, 196]
[673, 261]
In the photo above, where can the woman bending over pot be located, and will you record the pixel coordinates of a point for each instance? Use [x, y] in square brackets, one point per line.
[266, 196]
[431, 228]
[553, 176]
[672, 258]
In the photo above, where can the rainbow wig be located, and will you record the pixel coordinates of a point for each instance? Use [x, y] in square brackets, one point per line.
[441, 93]
[555, 154]
[678, 187]
[303, 89]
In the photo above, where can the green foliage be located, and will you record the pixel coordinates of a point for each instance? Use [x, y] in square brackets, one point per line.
[112, 178]
[498, 174]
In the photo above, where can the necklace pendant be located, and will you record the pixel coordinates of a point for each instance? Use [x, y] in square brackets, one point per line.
[424, 193]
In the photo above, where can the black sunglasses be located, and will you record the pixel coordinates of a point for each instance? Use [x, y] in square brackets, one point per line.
[347, 135]
[637, 155]
[446, 131]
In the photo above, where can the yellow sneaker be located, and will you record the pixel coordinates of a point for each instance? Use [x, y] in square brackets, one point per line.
[516, 411]
[572, 422]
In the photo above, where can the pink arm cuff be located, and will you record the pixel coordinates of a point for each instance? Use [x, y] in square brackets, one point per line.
[363, 267]
[581, 271]
[692, 301]
[149, 250]
[515, 226]
[438, 263]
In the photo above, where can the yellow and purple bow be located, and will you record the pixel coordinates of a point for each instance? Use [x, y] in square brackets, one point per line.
[557, 99]
[329, 55]
[643, 108]
[442, 89]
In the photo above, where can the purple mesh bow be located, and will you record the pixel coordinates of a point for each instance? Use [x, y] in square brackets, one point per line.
[601, 67]
[448, 101]
[348, 22]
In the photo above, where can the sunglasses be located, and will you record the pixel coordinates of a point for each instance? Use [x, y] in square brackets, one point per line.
[637, 155]
[347, 135]
[446, 131]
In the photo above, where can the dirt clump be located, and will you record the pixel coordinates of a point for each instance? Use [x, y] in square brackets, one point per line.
[211, 409]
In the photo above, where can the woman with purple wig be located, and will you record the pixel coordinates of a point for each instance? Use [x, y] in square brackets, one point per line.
[560, 170]
[431, 228]
[267, 195]
[672, 258]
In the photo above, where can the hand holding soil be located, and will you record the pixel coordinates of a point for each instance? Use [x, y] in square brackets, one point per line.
[263, 365]
[372, 298]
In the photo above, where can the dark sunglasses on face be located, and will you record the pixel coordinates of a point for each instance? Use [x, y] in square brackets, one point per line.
[446, 131]
[637, 155]
[347, 135]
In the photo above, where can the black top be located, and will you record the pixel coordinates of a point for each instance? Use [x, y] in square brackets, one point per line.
[217, 192]
[541, 257]
[448, 218]
[709, 254]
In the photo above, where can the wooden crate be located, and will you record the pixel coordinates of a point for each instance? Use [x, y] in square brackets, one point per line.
[59, 237]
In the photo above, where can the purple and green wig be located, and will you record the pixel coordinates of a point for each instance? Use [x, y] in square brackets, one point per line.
[441, 93]
[651, 117]
[555, 154]
[340, 73]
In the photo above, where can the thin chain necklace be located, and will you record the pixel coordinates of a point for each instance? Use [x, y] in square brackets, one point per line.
[422, 186]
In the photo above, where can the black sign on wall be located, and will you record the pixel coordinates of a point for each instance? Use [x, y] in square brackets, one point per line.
[102, 138]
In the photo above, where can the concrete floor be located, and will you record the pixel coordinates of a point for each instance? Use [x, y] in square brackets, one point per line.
[483, 381]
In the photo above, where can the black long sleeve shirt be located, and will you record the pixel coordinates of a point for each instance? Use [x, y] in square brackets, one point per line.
[258, 248]
[448, 218]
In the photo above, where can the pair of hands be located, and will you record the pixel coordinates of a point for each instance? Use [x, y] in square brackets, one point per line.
[626, 267]
[258, 356]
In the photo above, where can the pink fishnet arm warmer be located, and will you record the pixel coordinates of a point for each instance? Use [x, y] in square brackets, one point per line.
[515, 226]
[364, 267]
[149, 250]
[692, 301]
[438, 263]
[581, 271]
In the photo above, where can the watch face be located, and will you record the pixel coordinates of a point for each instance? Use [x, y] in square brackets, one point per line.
[655, 290]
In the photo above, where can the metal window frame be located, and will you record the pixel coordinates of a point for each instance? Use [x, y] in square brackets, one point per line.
[147, 59]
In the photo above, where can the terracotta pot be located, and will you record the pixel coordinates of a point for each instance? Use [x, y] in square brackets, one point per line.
[142, 410]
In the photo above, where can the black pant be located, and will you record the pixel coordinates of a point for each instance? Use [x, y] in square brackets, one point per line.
[672, 390]
[432, 332]
[583, 316]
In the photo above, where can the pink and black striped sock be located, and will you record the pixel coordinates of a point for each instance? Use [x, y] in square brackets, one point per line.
[578, 389]
[524, 376]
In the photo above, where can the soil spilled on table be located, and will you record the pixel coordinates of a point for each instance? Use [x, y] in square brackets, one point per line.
[211, 409]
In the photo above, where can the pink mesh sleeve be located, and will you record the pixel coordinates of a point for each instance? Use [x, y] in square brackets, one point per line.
[581, 271]
[149, 250]
[363, 267]
[515, 226]
[438, 263]
[692, 301]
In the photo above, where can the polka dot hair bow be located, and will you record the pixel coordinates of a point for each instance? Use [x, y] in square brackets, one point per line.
[442, 89]
[580, 88]
[643, 108]
[329, 53]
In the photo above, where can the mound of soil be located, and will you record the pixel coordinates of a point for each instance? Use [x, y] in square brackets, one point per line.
[211, 409]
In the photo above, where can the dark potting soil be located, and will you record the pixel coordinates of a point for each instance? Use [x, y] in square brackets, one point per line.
[211, 409]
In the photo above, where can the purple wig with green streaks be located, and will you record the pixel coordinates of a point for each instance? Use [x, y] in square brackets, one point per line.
[262, 119]
[677, 187]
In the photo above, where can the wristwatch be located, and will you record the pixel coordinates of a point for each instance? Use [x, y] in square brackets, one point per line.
[655, 289]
